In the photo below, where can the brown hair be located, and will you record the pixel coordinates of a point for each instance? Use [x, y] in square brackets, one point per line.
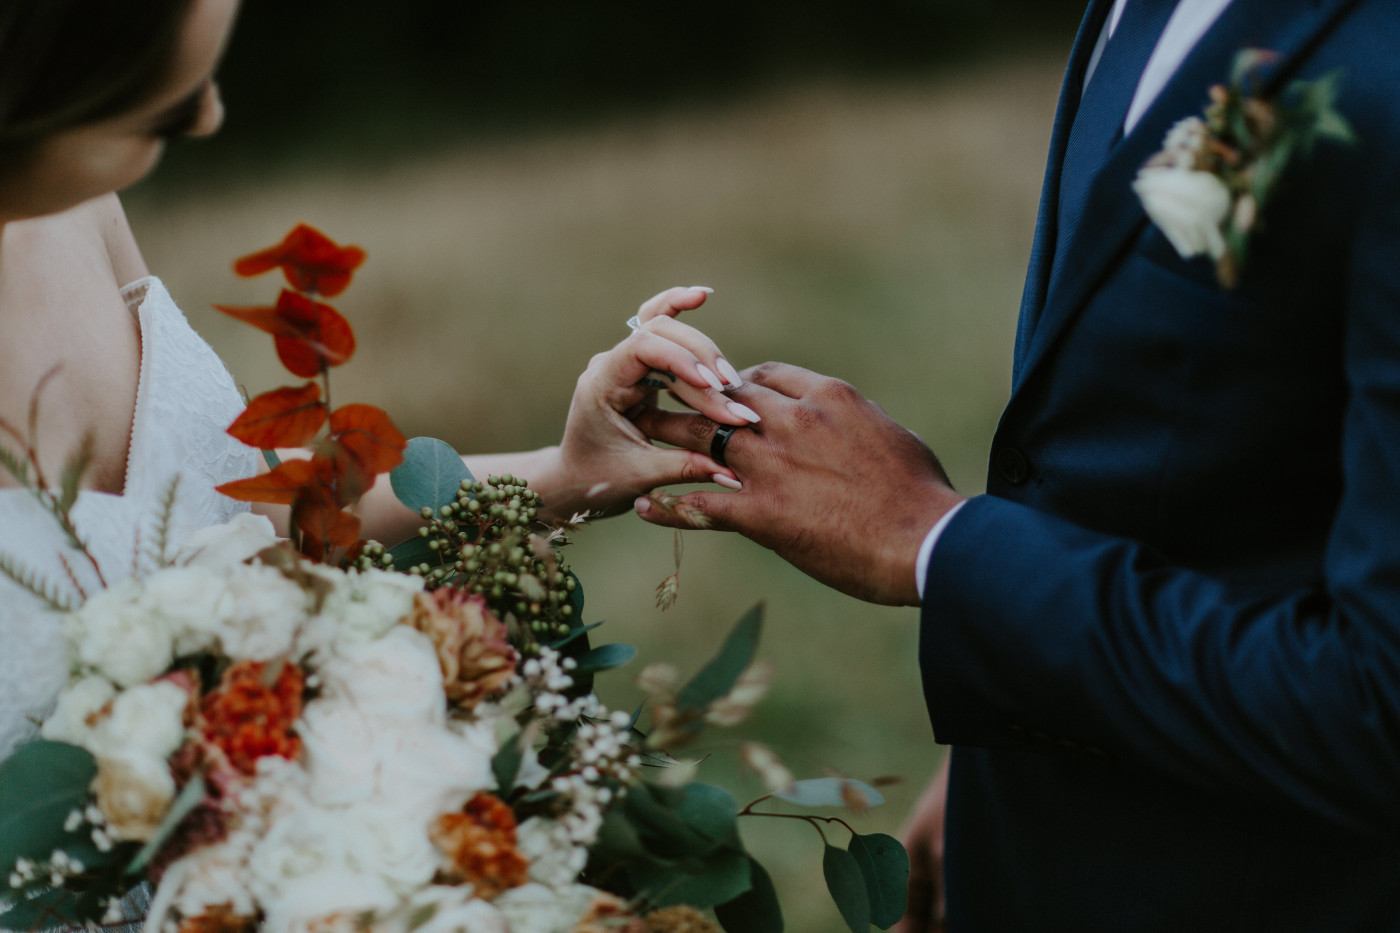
[64, 63]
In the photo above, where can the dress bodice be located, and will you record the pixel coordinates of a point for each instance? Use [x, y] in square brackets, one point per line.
[185, 399]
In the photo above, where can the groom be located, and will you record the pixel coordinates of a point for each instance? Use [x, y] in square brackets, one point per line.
[1166, 643]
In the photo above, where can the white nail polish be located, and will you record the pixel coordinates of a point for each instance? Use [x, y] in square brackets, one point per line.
[745, 412]
[728, 482]
[730, 374]
[703, 288]
[709, 376]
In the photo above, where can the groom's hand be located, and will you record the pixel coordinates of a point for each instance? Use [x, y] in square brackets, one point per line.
[830, 482]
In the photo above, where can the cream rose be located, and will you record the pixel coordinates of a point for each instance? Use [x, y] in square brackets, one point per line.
[396, 676]
[1187, 206]
[115, 634]
[75, 715]
[222, 546]
[366, 604]
[134, 794]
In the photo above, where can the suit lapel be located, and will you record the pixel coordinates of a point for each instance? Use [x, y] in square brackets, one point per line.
[1043, 245]
[1112, 214]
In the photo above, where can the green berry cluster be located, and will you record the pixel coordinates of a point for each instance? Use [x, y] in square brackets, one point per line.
[485, 544]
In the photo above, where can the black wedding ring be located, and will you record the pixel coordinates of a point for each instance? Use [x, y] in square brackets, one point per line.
[721, 440]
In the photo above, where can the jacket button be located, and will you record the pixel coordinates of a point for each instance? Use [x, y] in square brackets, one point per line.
[1013, 466]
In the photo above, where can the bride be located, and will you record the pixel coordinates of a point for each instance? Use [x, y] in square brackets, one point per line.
[90, 92]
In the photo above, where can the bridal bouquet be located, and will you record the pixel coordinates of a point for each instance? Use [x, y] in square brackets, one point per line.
[326, 735]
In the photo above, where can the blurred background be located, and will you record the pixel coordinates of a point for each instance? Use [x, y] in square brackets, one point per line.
[857, 182]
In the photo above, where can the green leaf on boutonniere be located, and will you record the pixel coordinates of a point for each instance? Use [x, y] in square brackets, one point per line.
[884, 864]
[430, 476]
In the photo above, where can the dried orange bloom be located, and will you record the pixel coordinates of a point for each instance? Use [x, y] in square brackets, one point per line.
[479, 842]
[219, 919]
[473, 651]
[679, 920]
[609, 914]
[248, 719]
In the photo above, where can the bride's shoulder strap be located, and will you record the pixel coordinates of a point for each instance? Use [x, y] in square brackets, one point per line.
[128, 265]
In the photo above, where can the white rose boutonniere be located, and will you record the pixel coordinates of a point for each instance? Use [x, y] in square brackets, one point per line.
[1208, 186]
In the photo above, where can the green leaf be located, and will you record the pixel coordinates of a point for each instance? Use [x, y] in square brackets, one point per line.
[884, 865]
[430, 476]
[847, 887]
[40, 784]
[756, 910]
[710, 811]
[826, 792]
[617, 840]
[409, 554]
[190, 796]
[505, 764]
[718, 677]
[52, 908]
[688, 822]
[606, 657]
[699, 883]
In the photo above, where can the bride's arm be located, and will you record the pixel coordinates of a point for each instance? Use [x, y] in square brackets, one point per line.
[603, 460]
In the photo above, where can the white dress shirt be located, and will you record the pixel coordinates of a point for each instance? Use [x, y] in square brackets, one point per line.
[1189, 21]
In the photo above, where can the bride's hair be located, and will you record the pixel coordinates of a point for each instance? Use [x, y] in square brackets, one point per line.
[64, 63]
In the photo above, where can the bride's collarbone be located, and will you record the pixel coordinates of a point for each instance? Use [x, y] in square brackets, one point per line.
[66, 333]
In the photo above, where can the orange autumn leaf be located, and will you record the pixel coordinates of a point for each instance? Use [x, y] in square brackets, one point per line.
[286, 417]
[317, 514]
[369, 436]
[311, 261]
[278, 486]
[308, 334]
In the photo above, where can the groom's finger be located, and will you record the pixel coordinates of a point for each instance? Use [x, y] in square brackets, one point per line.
[685, 429]
[785, 379]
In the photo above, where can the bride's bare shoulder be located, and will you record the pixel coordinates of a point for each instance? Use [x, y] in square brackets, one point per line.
[128, 265]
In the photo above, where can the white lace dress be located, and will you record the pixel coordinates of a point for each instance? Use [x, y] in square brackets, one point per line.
[185, 399]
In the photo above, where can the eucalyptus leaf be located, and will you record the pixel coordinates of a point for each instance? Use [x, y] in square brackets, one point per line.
[412, 552]
[190, 796]
[430, 476]
[717, 879]
[505, 764]
[40, 784]
[884, 864]
[688, 822]
[826, 792]
[617, 841]
[710, 811]
[605, 657]
[847, 886]
[718, 677]
[575, 634]
[756, 910]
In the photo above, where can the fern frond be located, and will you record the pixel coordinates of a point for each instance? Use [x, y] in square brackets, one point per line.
[163, 522]
[14, 465]
[73, 469]
[72, 577]
[35, 584]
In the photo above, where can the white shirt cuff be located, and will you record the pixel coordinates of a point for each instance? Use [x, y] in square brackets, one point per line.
[931, 539]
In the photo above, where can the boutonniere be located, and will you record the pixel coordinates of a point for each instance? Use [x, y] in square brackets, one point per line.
[1208, 187]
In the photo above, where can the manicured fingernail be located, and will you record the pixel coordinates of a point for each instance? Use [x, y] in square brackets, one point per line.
[709, 376]
[728, 482]
[703, 288]
[745, 412]
[642, 505]
[730, 374]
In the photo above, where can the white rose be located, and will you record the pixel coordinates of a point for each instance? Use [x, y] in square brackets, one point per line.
[396, 676]
[208, 877]
[1187, 206]
[364, 605]
[386, 844]
[188, 600]
[223, 546]
[338, 753]
[73, 716]
[330, 901]
[260, 613]
[146, 721]
[554, 859]
[448, 910]
[534, 908]
[114, 634]
[134, 793]
[425, 770]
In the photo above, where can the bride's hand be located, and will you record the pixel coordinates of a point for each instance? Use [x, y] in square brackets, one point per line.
[604, 461]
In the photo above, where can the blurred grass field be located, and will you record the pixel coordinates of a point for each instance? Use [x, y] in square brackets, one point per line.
[877, 232]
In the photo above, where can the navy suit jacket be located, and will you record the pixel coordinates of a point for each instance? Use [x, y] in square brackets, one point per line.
[1166, 643]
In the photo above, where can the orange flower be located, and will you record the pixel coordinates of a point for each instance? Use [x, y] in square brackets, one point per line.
[480, 844]
[473, 651]
[219, 919]
[311, 261]
[251, 714]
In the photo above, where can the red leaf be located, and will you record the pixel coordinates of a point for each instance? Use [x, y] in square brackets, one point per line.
[285, 417]
[278, 486]
[308, 333]
[311, 261]
[318, 516]
[369, 436]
